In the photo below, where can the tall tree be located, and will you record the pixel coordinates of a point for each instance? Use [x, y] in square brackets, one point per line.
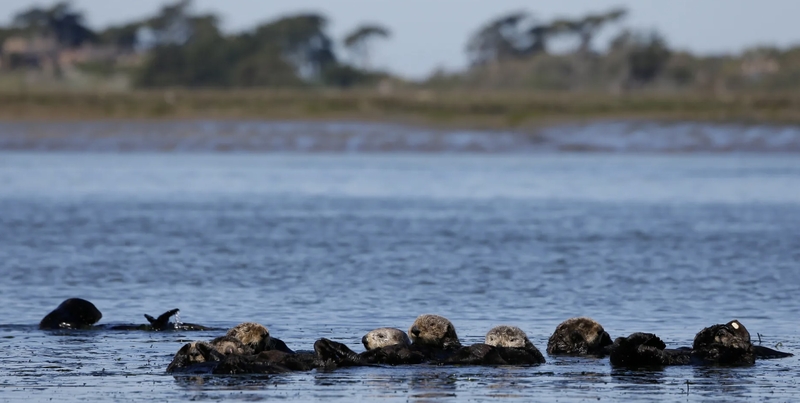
[358, 41]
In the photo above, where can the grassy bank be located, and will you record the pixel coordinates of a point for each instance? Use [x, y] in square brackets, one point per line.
[464, 109]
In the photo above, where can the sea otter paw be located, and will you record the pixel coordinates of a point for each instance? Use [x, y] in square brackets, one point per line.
[331, 352]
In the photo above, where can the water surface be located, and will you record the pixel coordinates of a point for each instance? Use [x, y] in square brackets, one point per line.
[335, 245]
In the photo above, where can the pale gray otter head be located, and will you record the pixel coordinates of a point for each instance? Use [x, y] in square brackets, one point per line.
[230, 345]
[434, 331]
[253, 335]
[507, 336]
[385, 336]
[579, 336]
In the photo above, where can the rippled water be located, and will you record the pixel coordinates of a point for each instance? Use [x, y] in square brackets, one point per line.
[335, 245]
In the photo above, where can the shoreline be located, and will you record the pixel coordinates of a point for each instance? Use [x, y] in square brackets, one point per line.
[352, 136]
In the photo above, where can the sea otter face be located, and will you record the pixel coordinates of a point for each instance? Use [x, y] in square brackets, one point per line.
[578, 336]
[253, 335]
[383, 337]
[434, 331]
[507, 336]
[230, 345]
[730, 335]
[194, 352]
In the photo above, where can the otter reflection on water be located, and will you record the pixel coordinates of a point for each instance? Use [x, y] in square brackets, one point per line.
[77, 313]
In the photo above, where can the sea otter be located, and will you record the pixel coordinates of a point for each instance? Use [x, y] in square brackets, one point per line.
[247, 348]
[434, 340]
[579, 336]
[77, 313]
[503, 345]
[73, 313]
[433, 337]
[727, 345]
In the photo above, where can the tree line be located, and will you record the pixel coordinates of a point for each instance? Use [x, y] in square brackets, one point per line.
[182, 48]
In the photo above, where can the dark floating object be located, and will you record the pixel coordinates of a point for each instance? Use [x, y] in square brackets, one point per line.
[73, 313]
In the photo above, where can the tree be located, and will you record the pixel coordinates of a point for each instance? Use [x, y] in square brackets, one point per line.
[357, 42]
[501, 39]
[60, 21]
[587, 27]
[302, 41]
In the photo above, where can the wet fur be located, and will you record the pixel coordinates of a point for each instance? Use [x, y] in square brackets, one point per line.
[73, 313]
[253, 335]
[434, 331]
[579, 336]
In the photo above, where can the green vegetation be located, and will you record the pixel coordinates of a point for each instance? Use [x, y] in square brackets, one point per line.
[179, 64]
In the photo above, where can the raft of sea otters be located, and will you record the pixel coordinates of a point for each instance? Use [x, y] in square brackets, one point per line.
[248, 347]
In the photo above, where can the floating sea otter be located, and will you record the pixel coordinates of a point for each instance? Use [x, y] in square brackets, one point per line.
[434, 339]
[247, 348]
[77, 313]
[727, 345]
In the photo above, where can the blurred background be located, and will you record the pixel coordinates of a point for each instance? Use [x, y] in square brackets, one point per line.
[508, 64]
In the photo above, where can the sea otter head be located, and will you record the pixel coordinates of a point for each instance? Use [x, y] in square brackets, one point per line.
[194, 353]
[434, 331]
[253, 335]
[732, 335]
[73, 313]
[230, 345]
[385, 336]
[578, 336]
[507, 336]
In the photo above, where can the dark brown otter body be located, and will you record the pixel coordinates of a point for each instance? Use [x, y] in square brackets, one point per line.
[504, 345]
[726, 345]
[646, 350]
[435, 340]
[246, 348]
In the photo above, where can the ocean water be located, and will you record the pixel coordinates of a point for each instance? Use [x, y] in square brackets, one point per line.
[336, 245]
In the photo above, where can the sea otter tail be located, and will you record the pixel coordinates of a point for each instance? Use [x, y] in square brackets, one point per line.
[766, 353]
[162, 322]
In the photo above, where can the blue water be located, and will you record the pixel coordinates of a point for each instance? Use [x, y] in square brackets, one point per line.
[335, 245]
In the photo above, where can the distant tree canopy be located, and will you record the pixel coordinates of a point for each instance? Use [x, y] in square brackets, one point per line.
[289, 51]
[516, 35]
[58, 21]
[358, 41]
